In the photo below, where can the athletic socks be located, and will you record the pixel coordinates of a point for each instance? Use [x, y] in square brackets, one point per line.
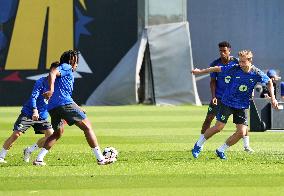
[3, 153]
[41, 154]
[33, 148]
[98, 153]
[201, 140]
[246, 141]
[223, 148]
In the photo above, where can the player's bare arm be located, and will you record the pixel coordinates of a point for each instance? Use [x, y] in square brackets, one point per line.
[274, 102]
[51, 79]
[213, 90]
[197, 71]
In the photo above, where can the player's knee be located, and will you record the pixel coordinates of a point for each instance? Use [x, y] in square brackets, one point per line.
[17, 134]
[87, 129]
[241, 132]
[218, 127]
[57, 134]
[209, 118]
[48, 132]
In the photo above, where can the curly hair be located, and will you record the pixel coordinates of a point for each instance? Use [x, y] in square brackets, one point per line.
[69, 56]
[224, 44]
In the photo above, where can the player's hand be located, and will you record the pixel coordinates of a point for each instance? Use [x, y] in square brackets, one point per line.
[196, 71]
[266, 96]
[47, 94]
[215, 101]
[35, 115]
[274, 103]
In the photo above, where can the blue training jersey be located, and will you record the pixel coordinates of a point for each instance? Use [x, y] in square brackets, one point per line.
[63, 87]
[36, 99]
[222, 79]
[240, 89]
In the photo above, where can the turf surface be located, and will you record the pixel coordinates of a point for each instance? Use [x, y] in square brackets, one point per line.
[155, 159]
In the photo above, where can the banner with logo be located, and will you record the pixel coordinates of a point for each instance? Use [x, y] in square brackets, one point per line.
[33, 34]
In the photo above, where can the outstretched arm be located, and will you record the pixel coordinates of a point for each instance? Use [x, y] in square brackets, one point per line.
[207, 70]
[274, 102]
[51, 79]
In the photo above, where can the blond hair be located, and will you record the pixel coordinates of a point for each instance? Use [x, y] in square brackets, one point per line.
[246, 53]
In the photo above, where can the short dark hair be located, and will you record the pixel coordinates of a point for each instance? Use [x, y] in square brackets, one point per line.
[224, 44]
[69, 55]
[54, 65]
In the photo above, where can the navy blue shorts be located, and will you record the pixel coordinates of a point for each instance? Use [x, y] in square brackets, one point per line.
[71, 113]
[240, 116]
[24, 122]
[214, 109]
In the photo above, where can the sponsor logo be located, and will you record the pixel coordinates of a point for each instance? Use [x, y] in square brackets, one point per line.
[243, 88]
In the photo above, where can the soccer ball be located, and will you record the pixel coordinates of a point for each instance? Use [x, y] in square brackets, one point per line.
[110, 153]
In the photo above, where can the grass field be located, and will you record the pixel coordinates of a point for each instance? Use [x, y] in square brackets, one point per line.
[155, 158]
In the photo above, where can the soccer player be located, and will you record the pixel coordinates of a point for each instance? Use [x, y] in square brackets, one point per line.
[33, 114]
[235, 100]
[61, 106]
[218, 83]
[272, 74]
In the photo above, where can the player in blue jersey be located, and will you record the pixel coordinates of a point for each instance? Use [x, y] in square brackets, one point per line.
[218, 83]
[235, 100]
[33, 114]
[62, 107]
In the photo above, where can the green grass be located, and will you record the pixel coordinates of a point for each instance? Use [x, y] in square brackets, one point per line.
[154, 145]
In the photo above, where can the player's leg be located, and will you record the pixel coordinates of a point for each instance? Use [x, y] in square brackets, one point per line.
[75, 115]
[206, 124]
[58, 125]
[246, 143]
[198, 146]
[42, 127]
[211, 113]
[21, 125]
[8, 144]
[91, 138]
[222, 118]
[240, 119]
[240, 132]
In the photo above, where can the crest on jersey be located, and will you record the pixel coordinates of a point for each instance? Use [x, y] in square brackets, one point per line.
[227, 79]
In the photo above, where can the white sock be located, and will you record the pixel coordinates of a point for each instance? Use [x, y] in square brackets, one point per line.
[41, 154]
[3, 153]
[98, 153]
[223, 148]
[246, 141]
[33, 148]
[201, 140]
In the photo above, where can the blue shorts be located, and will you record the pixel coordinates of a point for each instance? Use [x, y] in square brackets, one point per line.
[24, 122]
[240, 116]
[71, 113]
[213, 109]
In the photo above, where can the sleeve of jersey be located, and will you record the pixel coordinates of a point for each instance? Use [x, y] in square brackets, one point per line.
[263, 78]
[213, 74]
[282, 88]
[35, 93]
[227, 68]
